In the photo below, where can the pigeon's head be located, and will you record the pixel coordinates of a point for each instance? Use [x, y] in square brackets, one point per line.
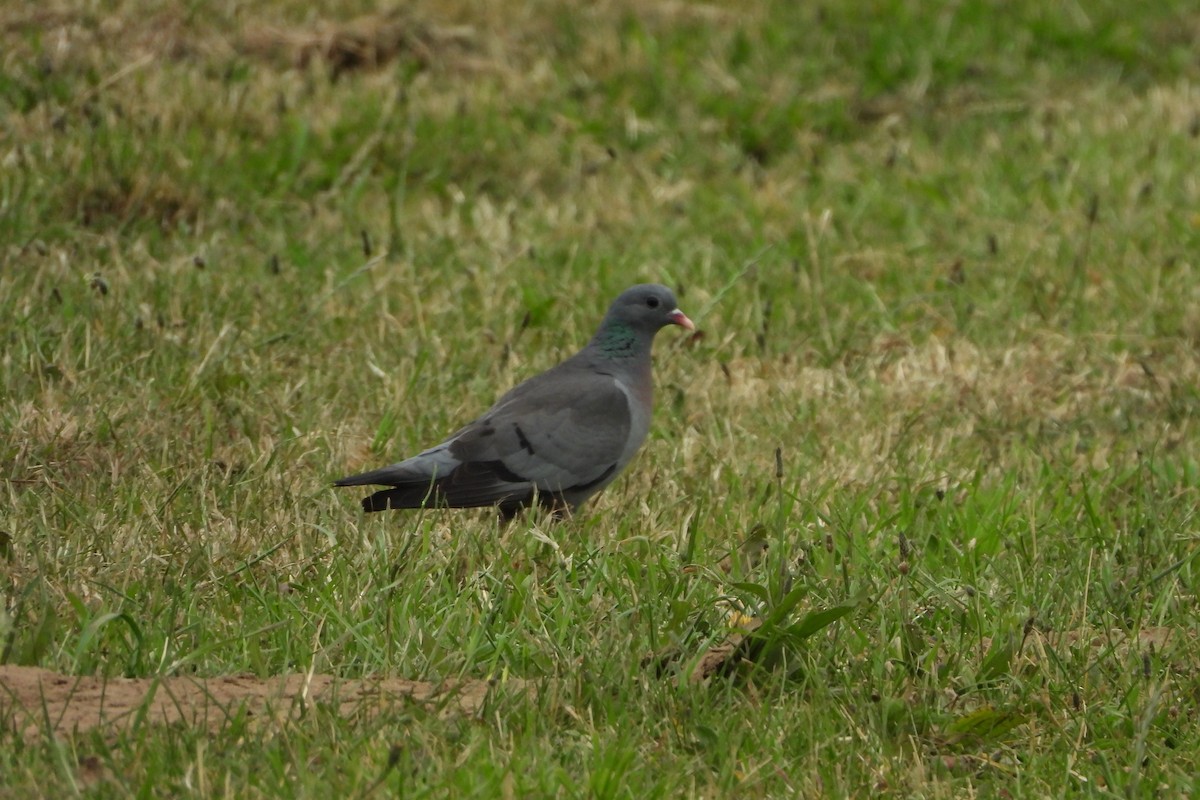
[648, 307]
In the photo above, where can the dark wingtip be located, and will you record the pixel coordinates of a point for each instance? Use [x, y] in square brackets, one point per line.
[373, 503]
[395, 497]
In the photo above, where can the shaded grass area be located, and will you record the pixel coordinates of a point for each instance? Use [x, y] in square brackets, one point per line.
[943, 257]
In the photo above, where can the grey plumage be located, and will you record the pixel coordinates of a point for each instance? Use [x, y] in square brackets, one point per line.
[559, 437]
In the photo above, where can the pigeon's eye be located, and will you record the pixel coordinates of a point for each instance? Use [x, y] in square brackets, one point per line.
[652, 302]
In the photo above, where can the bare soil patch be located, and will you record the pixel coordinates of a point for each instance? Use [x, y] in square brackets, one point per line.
[365, 43]
[34, 701]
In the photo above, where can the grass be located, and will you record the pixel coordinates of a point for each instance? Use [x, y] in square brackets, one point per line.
[944, 260]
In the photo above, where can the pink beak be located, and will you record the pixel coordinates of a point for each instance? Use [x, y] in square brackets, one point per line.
[679, 318]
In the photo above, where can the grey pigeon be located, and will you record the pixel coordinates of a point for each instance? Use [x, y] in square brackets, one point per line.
[558, 438]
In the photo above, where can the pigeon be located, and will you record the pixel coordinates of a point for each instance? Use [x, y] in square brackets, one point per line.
[556, 439]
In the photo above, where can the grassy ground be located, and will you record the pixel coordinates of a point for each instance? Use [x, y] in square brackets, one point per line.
[944, 257]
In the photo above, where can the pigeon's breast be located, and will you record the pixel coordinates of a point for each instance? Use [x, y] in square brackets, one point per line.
[640, 405]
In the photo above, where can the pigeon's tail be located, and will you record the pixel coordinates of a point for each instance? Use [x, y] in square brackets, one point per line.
[412, 485]
[418, 473]
[415, 484]
[433, 496]
[447, 494]
[388, 476]
[438, 478]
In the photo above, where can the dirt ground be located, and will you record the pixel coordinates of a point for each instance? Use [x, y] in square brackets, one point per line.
[34, 701]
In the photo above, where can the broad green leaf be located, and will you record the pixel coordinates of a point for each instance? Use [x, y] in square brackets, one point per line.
[984, 724]
[821, 618]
